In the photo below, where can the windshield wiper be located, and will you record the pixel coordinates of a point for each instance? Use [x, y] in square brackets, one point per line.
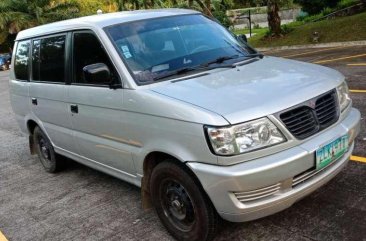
[260, 55]
[176, 72]
[219, 60]
[249, 59]
[184, 70]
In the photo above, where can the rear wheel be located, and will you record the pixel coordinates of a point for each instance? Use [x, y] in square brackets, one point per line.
[181, 205]
[45, 152]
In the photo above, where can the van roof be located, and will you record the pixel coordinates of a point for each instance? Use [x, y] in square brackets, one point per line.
[101, 20]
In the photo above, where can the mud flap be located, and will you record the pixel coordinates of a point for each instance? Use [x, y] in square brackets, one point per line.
[145, 195]
[31, 145]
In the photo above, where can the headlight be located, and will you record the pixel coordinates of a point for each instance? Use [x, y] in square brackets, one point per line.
[244, 137]
[343, 96]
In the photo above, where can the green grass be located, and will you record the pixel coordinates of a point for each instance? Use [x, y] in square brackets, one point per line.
[341, 29]
[261, 31]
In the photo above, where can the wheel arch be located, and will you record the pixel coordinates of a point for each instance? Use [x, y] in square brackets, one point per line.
[150, 162]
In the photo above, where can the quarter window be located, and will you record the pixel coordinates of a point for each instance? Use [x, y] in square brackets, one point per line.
[88, 50]
[48, 59]
[21, 61]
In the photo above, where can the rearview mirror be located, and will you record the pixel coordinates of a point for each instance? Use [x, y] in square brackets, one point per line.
[242, 38]
[97, 74]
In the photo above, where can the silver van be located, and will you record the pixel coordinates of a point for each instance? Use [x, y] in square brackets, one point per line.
[171, 101]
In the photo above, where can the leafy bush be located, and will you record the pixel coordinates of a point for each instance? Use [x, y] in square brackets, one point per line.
[346, 3]
[219, 11]
[306, 18]
[222, 17]
[316, 6]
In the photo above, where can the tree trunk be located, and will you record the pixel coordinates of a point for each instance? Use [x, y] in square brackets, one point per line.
[274, 20]
[137, 5]
[190, 3]
[205, 9]
[208, 7]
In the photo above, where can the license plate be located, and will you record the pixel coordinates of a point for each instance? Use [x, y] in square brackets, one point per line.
[331, 152]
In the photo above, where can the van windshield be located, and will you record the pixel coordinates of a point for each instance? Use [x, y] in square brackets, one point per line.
[162, 48]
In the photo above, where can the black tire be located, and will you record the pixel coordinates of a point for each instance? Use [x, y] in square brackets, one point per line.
[46, 154]
[181, 204]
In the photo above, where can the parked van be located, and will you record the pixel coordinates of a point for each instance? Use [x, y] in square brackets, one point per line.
[171, 101]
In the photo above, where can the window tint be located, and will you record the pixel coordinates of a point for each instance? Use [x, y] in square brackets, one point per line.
[21, 60]
[48, 59]
[35, 59]
[88, 50]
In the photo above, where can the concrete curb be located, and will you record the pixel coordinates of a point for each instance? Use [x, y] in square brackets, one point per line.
[314, 46]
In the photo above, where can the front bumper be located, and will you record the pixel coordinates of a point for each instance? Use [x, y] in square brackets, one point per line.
[264, 186]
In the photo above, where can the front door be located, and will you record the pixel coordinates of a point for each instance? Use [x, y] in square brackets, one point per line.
[96, 109]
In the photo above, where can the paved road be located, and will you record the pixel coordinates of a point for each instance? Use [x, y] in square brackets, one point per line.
[83, 204]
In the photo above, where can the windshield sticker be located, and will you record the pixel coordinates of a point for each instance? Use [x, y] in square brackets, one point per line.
[160, 67]
[126, 51]
[187, 61]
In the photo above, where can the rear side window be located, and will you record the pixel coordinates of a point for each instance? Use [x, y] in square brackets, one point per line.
[21, 60]
[48, 59]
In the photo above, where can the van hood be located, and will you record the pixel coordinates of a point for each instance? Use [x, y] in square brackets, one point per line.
[251, 91]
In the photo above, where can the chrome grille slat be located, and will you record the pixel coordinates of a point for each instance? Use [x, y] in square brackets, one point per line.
[247, 196]
[258, 190]
[255, 198]
[257, 194]
[309, 174]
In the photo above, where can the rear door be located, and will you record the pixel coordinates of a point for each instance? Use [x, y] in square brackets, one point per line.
[96, 109]
[48, 90]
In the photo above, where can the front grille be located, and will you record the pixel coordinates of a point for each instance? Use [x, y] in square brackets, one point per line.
[326, 110]
[253, 195]
[312, 116]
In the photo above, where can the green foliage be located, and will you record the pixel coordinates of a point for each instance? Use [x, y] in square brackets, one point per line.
[346, 3]
[348, 29]
[16, 15]
[219, 8]
[316, 6]
[306, 18]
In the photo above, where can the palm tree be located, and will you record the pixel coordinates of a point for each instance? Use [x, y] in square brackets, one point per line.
[16, 15]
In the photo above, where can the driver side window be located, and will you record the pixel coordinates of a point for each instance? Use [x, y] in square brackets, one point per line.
[88, 50]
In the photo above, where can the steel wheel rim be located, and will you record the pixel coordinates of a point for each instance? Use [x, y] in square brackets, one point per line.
[45, 151]
[177, 205]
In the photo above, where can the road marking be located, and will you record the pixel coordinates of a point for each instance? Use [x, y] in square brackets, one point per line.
[317, 51]
[358, 159]
[2, 237]
[360, 64]
[357, 91]
[332, 60]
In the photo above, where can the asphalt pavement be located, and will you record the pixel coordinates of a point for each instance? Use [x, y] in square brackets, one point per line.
[83, 204]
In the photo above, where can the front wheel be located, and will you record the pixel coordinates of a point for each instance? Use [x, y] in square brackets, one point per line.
[181, 204]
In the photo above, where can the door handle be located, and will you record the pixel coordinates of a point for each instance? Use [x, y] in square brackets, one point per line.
[34, 101]
[74, 109]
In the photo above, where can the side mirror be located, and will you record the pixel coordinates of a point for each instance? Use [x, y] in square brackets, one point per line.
[97, 74]
[242, 38]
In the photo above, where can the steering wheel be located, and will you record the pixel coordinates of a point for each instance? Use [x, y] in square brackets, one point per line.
[200, 49]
